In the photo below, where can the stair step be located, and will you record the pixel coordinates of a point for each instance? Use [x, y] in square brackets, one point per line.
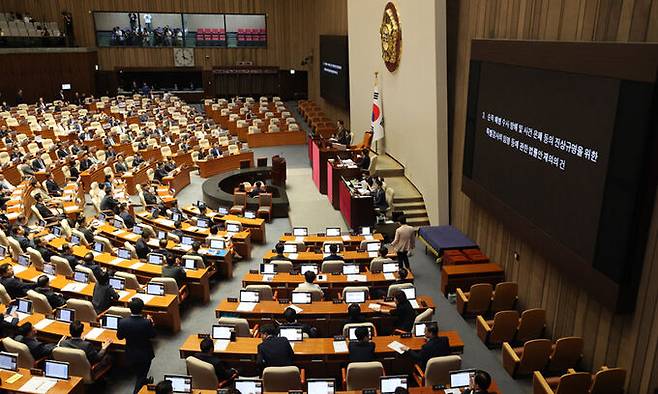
[413, 213]
[418, 222]
[388, 173]
[409, 205]
[402, 200]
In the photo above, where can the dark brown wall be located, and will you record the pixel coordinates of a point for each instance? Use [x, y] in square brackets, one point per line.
[42, 74]
[629, 341]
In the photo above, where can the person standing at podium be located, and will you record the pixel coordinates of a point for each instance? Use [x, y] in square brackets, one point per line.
[343, 135]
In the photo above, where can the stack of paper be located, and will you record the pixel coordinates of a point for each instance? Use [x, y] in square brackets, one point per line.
[414, 303]
[347, 238]
[94, 333]
[38, 385]
[144, 297]
[375, 307]
[221, 344]
[246, 306]
[296, 308]
[116, 261]
[293, 256]
[19, 268]
[397, 346]
[74, 287]
[389, 276]
[43, 324]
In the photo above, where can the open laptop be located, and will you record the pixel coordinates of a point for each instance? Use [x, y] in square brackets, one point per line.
[49, 269]
[351, 269]
[222, 211]
[301, 297]
[153, 288]
[373, 246]
[9, 361]
[266, 268]
[65, 315]
[24, 260]
[202, 223]
[117, 223]
[391, 267]
[419, 328]
[98, 247]
[185, 240]
[300, 231]
[189, 264]
[155, 258]
[289, 248]
[461, 378]
[217, 244]
[294, 334]
[81, 277]
[56, 231]
[162, 234]
[180, 383]
[366, 231]
[123, 253]
[222, 331]
[175, 216]
[138, 230]
[410, 292]
[3, 251]
[110, 322]
[355, 297]
[75, 240]
[232, 228]
[56, 369]
[117, 283]
[351, 333]
[321, 386]
[308, 267]
[326, 248]
[249, 386]
[250, 214]
[249, 296]
[388, 384]
[332, 232]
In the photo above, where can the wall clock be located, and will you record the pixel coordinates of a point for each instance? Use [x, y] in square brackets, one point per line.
[391, 37]
[184, 57]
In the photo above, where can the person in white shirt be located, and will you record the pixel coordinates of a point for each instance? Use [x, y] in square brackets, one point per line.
[5, 185]
[308, 285]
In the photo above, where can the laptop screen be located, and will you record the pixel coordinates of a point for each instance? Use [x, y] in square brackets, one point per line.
[410, 292]
[123, 253]
[138, 230]
[216, 243]
[249, 386]
[65, 315]
[180, 383]
[56, 230]
[308, 267]
[366, 231]
[390, 267]
[461, 378]
[333, 232]
[301, 297]
[110, 322]
[355, 297]
[189, 264]
[328, 246]
[56, 369]
[117, 223]
[81, 277]
[352, 333]
[294, 334]
[49, 269]
[155, 258]
[321, 386]
[222, 211]
[8, 361]
[232, 228]
[24, 306]
[300, 231]
[24, 260]
[267, 268]
[175, 216]
[187, 240]
[155, 289]
[350, 269]
[117, 283]
[249, 296]
[290, 248]
[419, 328]
[373, 246]
[250, 214]
[202, 223]
[75, 240]
[388, 384]
[221, 331]
[98, 247]
[162, 234]
[3, 251]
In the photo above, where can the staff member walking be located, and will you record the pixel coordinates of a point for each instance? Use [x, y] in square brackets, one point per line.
[138, 331]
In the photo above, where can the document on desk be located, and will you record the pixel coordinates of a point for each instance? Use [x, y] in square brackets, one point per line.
[347, 238]
[452, 391]
[192, 228]
[368, 238]
[19, 268]
[38, 385]
[74, 287]
[296, 308]
[117, 260]
[94, 333]
[389, 276]
[340, 347]
[136, 266]
[246, 306]
[184, 248]
[375, 307]
[357, 278]
[122, 293]
[372, 254]
[221, 344]
[397, 346]
[43, 324]
[144, 297]
[293, 256]
[166, 222]
[132, 236]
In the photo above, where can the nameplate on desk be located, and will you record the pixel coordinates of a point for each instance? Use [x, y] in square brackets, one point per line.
[347, 238]
[253, 271]
[405, 335]
[268, 277]
[284, 301]
[296, 308]
[220, 345]
[232, 299]
[202, 336]
[356, 278]
[337, 301]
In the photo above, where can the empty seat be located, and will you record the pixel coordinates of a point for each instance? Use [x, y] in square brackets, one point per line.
[282, 379]
[476, 300]
[361, 376]
[505, 296]
[533, 356]
[437, 371]
[567, 353]
[570, 383]
[501, 329]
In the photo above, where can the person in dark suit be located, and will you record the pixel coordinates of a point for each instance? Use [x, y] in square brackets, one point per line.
[274, 351]
[364, 163]
[45, 212]
[164, 251]
[279, 253]
[61, 152]
[480, 383]
[85, 162]
[42, 249]
[104, 294]
[109, 203]
[67, 253]
[8, 328]
[174, 270]
[141, 246]
[14, 286]
[404, 312]
[55, 299]
[379, 196]
[290, 316]
[128, 219]
[354, 314]
[38, 164]
[363, 350]
[120, 166]
[88, 261]
[164, 387]
[333, 253]
[160, 172]
[149, 197]
[435, 346]
[27, 335]
[138, 332]
[343, 135]
[52, 187]
[82, 227]
[178, 229]
[215, 151]
[206, 355]
[94, 356]
[20, 236]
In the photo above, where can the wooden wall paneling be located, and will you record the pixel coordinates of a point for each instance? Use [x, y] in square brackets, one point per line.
[631, 340]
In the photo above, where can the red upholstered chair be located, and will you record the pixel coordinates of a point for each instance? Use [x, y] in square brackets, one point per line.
[239, 203]
[265, 206]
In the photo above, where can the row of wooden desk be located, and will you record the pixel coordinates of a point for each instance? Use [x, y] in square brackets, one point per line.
[256, 226]
[349, 241]
[210, 167]
[350, 256]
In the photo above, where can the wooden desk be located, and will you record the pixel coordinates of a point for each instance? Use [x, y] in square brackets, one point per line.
[256, 226]
[466, 275]
[353, 256]
[97, 174]
[328, 317]
[334, 173]
[179, 180]
[137, 176]
[321, 151]
[317, 355]
[257, 140]
[493, 389]
[316, 241]
[357, 210]
[332, 285]
[183, 159]
[72, 386]
[210, 167]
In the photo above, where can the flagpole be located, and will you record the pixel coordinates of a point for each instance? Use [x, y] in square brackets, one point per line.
[376, 142]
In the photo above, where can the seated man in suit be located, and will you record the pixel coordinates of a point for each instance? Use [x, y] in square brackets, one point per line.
[56, 300]
[88, 261]
[363, 350]
[333, 253]
[45, 212]
[109, 203]
[149, 197]
[27, 335]
[39, 245]
[435, 346]
[379, 196]
[160, 172]
[20, 235]
[308, 285]
[52, 187]
[14, 286]
[206, 355]
[61, 152]
[67, 253]
[120, 166]
[174, 270]
[279, 253]
[258, 188]
[343, 135]
[141, 246]
[38, 164]
[128, 219]
[479, 384]
[164, 251]
[273, 351]
[215, 151]
[94, 356]
[290, 316]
